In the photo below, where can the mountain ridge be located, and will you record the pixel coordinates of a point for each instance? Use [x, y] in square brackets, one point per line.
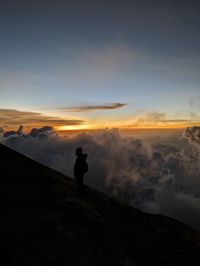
[46, 222]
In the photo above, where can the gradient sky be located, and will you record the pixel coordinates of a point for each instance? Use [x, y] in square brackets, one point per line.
[95, 63]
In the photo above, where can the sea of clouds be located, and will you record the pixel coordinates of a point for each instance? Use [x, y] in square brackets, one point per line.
[158, 176]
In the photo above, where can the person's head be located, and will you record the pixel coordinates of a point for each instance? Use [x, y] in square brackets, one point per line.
[79, 151]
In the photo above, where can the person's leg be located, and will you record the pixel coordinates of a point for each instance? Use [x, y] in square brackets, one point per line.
[82, 188]
[79, 184]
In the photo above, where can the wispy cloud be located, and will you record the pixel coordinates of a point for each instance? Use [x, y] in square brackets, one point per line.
[176, 120]
[158, 119]
[12, 117]
[89, 108]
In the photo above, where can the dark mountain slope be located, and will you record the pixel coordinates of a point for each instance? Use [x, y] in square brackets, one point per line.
[45, 222]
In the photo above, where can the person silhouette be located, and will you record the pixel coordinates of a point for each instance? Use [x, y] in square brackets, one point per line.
[80, 168]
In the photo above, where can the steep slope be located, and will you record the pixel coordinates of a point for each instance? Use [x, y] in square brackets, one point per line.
[45, 222]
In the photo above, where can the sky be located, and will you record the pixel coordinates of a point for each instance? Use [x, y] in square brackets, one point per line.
[94, 63]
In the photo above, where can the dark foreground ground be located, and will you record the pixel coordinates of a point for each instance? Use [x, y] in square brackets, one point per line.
[45, 222]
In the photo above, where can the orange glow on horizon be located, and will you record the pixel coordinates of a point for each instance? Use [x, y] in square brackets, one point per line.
[156, 127]
[92, 127]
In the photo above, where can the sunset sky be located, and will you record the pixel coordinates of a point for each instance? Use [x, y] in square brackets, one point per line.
[95, 63]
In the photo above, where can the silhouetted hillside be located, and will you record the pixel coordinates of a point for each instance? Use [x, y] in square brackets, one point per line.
[45, 222]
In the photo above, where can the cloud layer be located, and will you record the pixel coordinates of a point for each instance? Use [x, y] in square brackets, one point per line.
[157, 177]
[193, 134]
[14, 117]
[158, 119]
[89, 108]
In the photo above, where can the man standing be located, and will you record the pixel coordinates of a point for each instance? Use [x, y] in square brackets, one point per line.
[80, 168]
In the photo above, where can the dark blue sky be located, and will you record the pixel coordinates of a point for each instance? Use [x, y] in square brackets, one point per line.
[163, 28]
[62, 53]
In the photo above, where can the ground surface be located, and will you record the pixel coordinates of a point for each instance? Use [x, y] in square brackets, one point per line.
[44, 221]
